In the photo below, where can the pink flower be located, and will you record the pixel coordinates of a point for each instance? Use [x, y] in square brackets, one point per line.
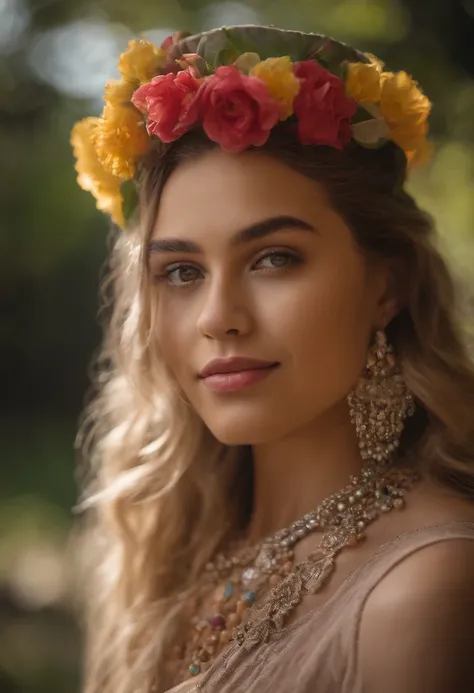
[323, 110]
[169, 102]
[237, 111]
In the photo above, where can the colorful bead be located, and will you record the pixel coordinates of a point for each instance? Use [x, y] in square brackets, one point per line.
[241, 606]
[233, 620]
[249, 576]
[226, 622]
[219, 605]
[217, 622]
[225, 637]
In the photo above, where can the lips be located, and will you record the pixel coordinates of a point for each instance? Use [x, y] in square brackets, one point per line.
[230, 375]
[234, 364]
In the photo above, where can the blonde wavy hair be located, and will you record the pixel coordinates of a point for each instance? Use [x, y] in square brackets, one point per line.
[160, 492]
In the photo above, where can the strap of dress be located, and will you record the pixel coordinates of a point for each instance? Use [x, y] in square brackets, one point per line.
[382, 562]
[395, 551]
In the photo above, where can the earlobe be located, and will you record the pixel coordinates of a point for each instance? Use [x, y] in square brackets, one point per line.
[389, 310]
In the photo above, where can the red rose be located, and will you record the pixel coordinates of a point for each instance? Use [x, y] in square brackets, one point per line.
[323, 110]
[237, 111]
[169, 103]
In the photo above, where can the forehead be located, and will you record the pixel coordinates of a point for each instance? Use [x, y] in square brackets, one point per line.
[229, 191]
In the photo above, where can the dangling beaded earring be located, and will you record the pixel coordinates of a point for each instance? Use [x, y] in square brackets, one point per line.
[380, 403]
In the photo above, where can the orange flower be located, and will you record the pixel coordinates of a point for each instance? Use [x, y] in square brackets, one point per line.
[118, 92]
[282, 83]
[363, 82]
[420, 154]
[92, 176]
[406, 110]
[142, 61]
[121, 139]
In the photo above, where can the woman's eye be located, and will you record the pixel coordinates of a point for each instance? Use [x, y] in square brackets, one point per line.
[181, 275]
[277, 260]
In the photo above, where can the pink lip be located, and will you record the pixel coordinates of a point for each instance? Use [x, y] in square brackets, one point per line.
[233, 364]
[231, 382]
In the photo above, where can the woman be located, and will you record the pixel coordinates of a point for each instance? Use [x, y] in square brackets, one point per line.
[283, 373]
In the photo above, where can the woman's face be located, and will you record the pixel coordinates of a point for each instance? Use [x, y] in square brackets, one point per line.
[249, 259]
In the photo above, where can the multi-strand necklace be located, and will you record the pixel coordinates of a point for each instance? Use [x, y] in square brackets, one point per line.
[259, 586]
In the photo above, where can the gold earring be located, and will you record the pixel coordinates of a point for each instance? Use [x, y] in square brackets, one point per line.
[380, 403]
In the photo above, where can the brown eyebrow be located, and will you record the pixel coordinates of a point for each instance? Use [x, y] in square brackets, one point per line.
[250, 233]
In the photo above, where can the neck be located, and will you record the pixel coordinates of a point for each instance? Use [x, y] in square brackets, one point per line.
[294, 474]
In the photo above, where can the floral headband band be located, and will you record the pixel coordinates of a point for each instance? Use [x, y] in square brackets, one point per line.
[236, 84]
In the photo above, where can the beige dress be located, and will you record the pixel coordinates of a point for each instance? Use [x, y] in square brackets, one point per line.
[317, 651]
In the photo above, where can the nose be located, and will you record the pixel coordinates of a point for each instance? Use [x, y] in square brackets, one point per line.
[224, 311]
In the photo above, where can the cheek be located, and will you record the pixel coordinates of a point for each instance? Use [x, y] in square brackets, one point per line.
[172, 333]
[325, 333]
[318, 327]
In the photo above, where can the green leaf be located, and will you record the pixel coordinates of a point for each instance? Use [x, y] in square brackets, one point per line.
[361, 115]
[239, 41]
[226, 56]
[130, 199]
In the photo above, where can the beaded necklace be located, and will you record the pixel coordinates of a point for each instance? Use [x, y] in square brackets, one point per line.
[259, 586]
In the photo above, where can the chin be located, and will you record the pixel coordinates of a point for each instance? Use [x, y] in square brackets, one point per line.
[244, 430]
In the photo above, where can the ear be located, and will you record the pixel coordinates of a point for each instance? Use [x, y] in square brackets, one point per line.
[391, 296]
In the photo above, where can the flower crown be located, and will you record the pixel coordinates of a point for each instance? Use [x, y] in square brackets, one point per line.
[237, 84]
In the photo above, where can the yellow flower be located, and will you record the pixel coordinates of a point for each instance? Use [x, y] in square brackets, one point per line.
[111, 202]
[142, 61]
[92, 177]
[363, 82]
[121, 139]
[376, 62]
[277, 73]
[420, 154]
[406, 110]
[118, 92]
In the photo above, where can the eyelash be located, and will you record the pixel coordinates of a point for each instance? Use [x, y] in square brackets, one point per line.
[165, 276]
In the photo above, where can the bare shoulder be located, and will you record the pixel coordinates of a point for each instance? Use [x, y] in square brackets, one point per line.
[416, 629]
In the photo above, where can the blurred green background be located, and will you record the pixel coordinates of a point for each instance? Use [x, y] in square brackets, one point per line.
[55, 56]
